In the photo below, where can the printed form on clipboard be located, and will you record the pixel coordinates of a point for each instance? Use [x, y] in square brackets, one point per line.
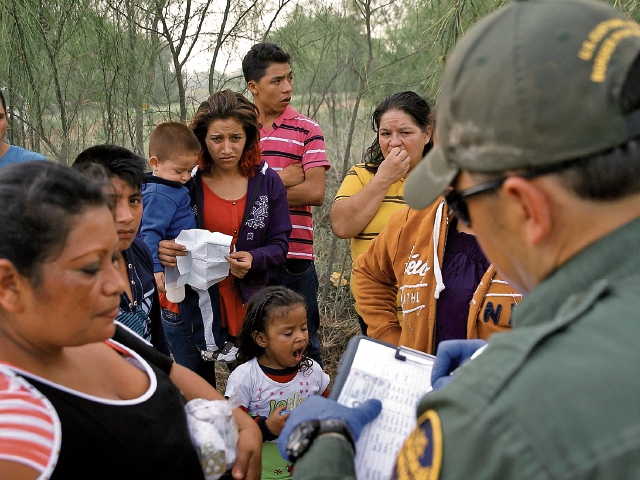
[398, 377]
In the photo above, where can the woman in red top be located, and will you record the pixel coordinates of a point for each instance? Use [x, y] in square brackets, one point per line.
[235, 193]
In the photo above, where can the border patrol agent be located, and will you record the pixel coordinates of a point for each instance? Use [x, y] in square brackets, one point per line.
[539, 153]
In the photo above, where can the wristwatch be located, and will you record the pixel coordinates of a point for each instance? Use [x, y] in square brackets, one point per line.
[303, 435]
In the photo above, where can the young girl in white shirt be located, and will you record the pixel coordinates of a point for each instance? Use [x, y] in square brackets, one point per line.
[274, 374]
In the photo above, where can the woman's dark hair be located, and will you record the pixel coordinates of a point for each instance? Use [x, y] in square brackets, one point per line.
[40, 202]
[265, 305]
[408, 102]
[94, 172]
[4, 103]
[224, 105]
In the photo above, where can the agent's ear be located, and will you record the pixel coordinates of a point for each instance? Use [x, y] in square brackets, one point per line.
[12, 286]
[260, 339]
[153, 163]
[532, 208]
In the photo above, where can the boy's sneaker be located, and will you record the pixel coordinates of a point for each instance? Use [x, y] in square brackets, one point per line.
[228, 353]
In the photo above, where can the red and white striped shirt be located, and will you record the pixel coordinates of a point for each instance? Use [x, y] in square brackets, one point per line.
[295, 138]
[30, 431]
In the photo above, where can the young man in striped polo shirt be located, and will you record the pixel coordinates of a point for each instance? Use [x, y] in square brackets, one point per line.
[293, 145]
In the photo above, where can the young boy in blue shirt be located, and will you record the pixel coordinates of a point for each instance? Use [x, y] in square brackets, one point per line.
[173, 153]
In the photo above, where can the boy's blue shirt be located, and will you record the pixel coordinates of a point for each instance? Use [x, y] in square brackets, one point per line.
[166, 212]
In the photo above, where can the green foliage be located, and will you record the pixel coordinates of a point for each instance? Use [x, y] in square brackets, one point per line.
[75, 74]
[78, 72]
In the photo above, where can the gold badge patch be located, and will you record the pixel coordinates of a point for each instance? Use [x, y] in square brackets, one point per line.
[613, 32]
[421, 455]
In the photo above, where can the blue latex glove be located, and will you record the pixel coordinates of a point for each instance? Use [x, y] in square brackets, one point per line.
[321, 408]
[450, 355]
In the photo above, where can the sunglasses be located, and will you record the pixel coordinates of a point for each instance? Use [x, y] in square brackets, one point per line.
[457, 201]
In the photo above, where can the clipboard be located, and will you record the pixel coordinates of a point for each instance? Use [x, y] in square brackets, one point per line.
[397, 376]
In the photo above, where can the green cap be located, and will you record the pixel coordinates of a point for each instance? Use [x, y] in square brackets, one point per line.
[535, 83]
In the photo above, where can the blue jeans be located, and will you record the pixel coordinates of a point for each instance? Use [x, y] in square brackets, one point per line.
[300, 276]
[184, 350]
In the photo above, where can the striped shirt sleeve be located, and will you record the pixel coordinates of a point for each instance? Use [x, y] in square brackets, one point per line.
[29, 426]
[352, 183]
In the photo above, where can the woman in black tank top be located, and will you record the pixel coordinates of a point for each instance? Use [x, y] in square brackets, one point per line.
[88, 400]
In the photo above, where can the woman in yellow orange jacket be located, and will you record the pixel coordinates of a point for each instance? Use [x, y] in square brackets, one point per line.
[447, 288]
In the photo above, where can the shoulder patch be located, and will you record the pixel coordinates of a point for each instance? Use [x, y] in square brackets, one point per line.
[421, 455]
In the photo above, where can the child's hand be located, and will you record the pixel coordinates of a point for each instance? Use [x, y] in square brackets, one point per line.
[167, 252]
[275, 422]
[240, 263]
[160, 282]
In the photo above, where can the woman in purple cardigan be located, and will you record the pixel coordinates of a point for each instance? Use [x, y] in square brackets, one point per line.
[236, 193]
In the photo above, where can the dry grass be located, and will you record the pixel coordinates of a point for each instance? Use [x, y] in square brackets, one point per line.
[334, 334]
[222, 373]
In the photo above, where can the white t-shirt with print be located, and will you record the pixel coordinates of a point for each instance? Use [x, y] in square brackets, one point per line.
[250, 387]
